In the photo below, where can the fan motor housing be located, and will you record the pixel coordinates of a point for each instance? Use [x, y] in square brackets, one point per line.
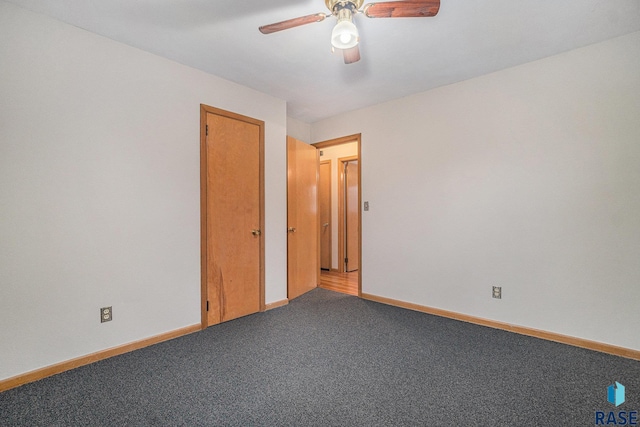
[331, 3]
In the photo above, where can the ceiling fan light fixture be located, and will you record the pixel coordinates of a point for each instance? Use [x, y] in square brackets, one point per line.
[345, 35]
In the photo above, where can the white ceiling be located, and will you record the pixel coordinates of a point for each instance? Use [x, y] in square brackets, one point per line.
[399, 56]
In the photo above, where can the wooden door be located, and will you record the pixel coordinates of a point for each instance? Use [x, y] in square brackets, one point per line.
[324, 189]
[302, 218]
[352, 219]
[233, 206]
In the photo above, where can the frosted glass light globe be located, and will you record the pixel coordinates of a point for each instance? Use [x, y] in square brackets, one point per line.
[345, 35]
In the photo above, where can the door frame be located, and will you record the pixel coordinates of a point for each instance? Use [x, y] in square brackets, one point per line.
[204, 110]
[338, 141]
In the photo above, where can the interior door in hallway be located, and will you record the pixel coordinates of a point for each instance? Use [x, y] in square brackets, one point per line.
[302, 218]
[352, 252]
[324, 189]
[233, 219]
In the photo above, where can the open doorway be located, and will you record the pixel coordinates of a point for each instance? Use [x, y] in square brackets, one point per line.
[340, 214]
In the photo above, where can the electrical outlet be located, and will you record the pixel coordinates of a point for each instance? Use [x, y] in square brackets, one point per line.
[366, 206]
[106, 314]
[497, 292]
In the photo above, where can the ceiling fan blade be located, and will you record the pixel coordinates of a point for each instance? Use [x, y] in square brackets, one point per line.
[290, 23]
[402, 9]
[351, 55]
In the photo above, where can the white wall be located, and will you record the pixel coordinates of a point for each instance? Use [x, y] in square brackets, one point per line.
[299, 130]
[333, 154]
[528, 178]
[100, 190]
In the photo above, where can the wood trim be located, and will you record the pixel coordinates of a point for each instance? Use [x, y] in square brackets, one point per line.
[263, 234]
[204, 109]
[337, 141]
[203, 216]
[522, 330]
[289, 161]
[58, 368]
[277, 304]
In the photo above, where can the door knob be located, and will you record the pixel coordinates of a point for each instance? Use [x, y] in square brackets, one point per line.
[326, 224]
[291, 229]
[256, 232]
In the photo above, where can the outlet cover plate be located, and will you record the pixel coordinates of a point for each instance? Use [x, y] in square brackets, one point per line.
[497, 292]
[106, 314]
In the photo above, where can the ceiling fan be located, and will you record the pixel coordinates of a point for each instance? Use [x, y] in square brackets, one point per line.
[345, 34]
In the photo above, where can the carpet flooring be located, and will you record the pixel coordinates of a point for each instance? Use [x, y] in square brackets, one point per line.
[329, 359]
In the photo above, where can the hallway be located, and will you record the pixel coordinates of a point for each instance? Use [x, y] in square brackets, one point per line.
[347, 283]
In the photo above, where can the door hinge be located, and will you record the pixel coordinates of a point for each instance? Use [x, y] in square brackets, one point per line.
[206, 130]
[207, 305]
[346, 260]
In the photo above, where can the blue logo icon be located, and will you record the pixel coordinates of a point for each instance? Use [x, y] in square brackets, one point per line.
[615, 394]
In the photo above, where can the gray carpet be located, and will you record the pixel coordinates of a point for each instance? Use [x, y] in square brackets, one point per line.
[329, 359]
